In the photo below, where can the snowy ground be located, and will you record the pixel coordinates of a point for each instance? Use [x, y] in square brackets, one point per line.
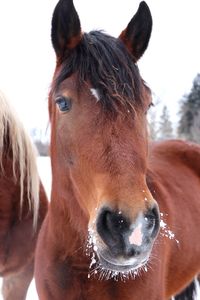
[45, 174]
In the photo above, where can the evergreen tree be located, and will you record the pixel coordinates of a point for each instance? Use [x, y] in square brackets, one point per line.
[153, 118]
[190, 112]
[165, 128]
[152, 125]
[195, 129]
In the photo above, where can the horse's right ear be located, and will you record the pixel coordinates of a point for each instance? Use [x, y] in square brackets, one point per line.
[137, 34]
[66, 29]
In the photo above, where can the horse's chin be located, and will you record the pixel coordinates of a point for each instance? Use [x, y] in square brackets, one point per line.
[123, 266]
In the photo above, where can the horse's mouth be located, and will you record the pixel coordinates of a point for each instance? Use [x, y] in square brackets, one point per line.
[125, 266]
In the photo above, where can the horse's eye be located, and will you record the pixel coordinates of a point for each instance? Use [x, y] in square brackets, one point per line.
[64, 103]
[149, 106]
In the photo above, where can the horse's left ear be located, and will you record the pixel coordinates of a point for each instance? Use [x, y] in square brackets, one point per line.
[137, 34]
[66, 30]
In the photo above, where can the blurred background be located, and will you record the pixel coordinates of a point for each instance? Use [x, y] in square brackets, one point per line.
[170, 66]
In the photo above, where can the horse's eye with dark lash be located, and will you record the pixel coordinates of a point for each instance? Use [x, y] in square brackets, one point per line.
[64, 103]
[149, 106]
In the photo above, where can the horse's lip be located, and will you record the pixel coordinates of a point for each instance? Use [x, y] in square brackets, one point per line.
[126, 267]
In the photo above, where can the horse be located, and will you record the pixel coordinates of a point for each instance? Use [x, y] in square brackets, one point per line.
[123, 220]
[23, 204]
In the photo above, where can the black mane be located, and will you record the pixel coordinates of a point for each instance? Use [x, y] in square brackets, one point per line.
[106, 63]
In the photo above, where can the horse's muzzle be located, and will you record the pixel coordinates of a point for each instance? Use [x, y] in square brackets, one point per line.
[125, 245]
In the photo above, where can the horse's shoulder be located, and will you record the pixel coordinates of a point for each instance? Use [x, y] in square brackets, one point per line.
[177, 152]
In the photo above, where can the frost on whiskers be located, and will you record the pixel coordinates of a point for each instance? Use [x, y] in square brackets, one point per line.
[101, 273]
[165, 231]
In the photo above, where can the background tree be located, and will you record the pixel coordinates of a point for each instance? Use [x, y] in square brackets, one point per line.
[165, 130]
[152, 125]
[41, 140]
[189, 124]
[152, 117]
[195, 129]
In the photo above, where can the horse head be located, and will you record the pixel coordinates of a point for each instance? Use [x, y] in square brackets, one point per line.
[99, 143]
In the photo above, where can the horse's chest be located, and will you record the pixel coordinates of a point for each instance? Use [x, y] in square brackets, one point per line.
[78, 287]
[68, 283]
[103, 290]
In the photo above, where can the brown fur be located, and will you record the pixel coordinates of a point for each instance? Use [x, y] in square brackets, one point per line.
[103, 161]
[19, 214]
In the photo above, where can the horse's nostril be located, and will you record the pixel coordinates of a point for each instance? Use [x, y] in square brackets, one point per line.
[152, 220]
[107, 221]
[124, 238]
[110, 226]
[104, 222]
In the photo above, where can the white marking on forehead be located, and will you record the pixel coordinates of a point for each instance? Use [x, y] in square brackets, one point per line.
[95, 93]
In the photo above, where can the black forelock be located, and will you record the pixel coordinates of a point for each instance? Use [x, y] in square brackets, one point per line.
[105, 62]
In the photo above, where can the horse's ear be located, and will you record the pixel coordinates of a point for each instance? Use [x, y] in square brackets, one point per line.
[137, 34]
[66, 29]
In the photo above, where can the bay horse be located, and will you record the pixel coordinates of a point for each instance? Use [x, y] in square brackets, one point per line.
[23, 204]
[123, 221]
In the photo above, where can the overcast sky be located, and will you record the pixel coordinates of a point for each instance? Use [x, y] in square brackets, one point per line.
[27, 60]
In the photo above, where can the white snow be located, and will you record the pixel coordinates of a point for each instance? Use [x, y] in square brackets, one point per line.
[165, 231]
[45, 172]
